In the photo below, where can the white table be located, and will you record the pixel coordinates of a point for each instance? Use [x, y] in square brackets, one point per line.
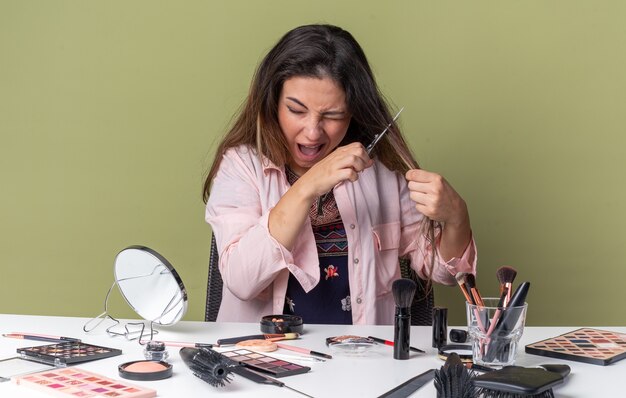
[339, 377]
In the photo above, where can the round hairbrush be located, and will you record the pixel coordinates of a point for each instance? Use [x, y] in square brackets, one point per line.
[207, 365]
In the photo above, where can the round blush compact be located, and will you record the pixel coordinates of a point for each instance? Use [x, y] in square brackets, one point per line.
[145, 370]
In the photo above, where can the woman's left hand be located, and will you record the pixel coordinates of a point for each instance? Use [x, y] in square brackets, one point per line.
[436, 199]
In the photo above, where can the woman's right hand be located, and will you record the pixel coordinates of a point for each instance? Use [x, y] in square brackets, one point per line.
[342, 164]
[291, 211]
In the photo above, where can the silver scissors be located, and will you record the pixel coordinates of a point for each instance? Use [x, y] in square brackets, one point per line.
[377, 137]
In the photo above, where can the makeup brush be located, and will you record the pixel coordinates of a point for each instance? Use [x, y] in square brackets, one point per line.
[460, 280]
[403, 292]
[454, 380]
[506, 275]
[470, 281]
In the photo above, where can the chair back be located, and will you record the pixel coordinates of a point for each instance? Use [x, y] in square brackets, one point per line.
[421, 309]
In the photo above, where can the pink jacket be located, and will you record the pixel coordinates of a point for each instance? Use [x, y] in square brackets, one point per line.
[381, 221]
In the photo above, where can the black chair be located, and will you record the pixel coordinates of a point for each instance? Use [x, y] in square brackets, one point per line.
[421, 309]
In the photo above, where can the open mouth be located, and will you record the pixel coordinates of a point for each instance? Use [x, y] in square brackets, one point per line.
[310, 152]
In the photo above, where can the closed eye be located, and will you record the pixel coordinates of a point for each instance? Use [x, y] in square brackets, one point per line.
[294, 111]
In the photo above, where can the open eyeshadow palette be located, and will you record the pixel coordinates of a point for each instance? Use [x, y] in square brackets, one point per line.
[78, 383]
[599, 347]
[65, 353]
[264, 363]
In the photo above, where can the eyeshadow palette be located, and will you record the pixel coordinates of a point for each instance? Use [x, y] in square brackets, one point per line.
[68, 352]
[264, 363]
[78, 383]
[595, 346]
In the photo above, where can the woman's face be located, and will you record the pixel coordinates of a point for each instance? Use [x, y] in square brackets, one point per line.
[314, 118]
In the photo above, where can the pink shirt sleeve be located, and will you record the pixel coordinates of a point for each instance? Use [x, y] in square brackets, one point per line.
[414, 243]
[238, 211]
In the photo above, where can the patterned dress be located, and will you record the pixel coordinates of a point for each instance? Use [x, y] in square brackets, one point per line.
[329, 301]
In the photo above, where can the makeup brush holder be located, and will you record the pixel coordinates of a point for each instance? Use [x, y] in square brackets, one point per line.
[495, 332]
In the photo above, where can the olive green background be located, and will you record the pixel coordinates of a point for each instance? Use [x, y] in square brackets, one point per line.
[110, 111]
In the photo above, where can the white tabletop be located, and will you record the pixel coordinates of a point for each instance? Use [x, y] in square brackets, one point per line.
[366, 376]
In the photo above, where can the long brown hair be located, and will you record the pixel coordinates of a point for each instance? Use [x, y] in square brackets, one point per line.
[314, 51]
[317, 51]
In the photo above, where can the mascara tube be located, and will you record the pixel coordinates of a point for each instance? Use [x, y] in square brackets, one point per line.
[402, 333]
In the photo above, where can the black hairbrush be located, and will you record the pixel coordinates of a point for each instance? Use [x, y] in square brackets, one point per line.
[519, 382]
[454, 380]
[208, 365]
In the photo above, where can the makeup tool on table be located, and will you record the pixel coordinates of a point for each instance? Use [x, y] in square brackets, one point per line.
[207, 365]
[75, 382]
[145, 370]
[39, 337]
[267, 336]
[454, 380]
[16, 366]
[390, 343]
[302, 350]
[506, 275]
[502, 325]
[369, 150]
[470, 283]
[264, 363]
[403, 291]
[588, 345]
[67, 353]
[215, 369]
[460, 280]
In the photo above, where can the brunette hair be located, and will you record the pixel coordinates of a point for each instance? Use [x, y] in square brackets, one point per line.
[318, 51]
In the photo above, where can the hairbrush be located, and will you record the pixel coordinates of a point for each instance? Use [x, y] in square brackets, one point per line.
[519, 382]
[207, 365]
[454, 380]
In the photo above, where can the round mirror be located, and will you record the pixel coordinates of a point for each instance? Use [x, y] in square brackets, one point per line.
[150, 285]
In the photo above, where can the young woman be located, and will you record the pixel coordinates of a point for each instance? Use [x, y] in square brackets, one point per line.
[306, 221]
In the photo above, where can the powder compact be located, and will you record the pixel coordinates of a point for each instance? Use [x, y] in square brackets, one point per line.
[282, 324]
[145, 370]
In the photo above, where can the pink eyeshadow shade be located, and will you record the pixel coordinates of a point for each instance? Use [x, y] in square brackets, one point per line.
[145, 367]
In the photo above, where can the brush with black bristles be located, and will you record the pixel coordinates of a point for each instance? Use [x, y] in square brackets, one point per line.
[470, 283]
[208, 365]
[454, 380]
[403, 292]
[506, 275]
[519, 382]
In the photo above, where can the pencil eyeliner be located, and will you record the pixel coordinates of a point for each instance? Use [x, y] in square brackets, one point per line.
[390, 343]
[304, 351]
[40, 337]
